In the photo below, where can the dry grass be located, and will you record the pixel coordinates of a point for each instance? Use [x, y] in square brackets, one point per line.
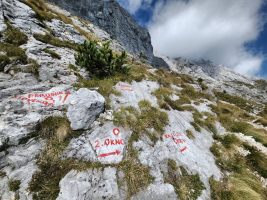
[14, 36]
[49, 39]
[14, 185]
[238, 187]
[41, 11]
[190, 134]
[136, 175]
[14, 53]
[236, 100]
[186, 186]
[141, 122]
[52, 53]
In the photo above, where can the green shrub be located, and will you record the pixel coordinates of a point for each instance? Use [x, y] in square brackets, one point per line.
[100, 61]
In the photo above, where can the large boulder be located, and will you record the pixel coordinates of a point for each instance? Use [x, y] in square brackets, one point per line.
[84, 106]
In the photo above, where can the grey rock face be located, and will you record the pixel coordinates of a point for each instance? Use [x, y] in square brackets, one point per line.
[157, 192]
[2, 23]
[91, 184]
[111, 17]
[65, 31]
[21, 15]
[85, 106]
[19, 164]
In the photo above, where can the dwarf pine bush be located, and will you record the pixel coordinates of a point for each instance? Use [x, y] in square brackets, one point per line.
[99, 60]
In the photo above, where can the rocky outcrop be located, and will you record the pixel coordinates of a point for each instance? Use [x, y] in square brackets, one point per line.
[85, 106]
[90, 184]
[111, 17]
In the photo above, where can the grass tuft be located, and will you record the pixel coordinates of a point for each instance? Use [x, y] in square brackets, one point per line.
[141, 122]
[49, 39]
[14, 36]
[14, 185]
[14, 53]
[236, 100]
[4, 61]
[52, 53]
[186, 186]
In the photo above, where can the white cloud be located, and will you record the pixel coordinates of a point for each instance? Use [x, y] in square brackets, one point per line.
[134, 5]
[210, 29]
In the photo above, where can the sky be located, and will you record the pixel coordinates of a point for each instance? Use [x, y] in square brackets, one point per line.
[228, 32]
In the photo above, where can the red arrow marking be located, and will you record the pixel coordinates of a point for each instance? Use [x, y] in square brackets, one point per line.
[183, 149]
[117, 152]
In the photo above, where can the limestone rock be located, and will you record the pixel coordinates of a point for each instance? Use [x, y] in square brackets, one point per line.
[65, 31]
[19, 164]
[85, 106]
[157, 192]
[22, 16]
[132, 93]
[105, 144]
[2, 21]
[90, 184]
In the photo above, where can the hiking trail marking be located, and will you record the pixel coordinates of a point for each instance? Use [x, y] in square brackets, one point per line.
[176, 137]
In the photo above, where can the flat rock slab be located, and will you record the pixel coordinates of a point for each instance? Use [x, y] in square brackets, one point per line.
[84, 106]
[54, 98]
[106, 144]
[193, 154]
[90, 184]
[132, 93]
[157, 192]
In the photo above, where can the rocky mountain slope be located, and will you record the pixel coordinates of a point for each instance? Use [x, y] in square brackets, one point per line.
[197, 131]
[109, 16]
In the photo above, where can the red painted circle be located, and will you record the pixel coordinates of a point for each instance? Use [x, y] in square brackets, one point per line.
[116, 131]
